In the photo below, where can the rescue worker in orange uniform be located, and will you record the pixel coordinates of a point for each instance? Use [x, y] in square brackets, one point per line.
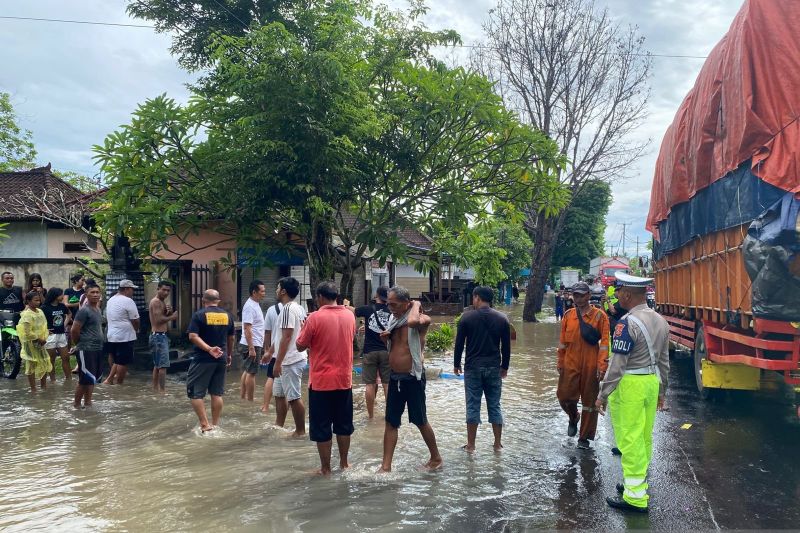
[582, 363]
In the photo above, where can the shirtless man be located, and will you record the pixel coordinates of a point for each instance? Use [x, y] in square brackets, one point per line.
[161, 314]
[405, 337]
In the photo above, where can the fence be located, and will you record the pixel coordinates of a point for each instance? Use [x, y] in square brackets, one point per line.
[201, 275]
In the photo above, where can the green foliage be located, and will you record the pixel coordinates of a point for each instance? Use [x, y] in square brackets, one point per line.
[582, 237]
[342, 111]
[440, 338]
[79, 181]
[16, 147]
[3, 234]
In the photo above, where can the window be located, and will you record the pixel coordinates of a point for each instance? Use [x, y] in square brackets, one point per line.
[75, 247]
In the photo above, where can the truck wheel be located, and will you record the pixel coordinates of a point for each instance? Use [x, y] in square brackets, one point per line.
[700, 355]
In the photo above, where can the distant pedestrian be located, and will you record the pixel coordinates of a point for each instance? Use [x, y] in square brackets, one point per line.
[271, 337]
[487, 334]
[251, 345]
[211, 331]
[87, 336]
[582, 362]
[559, 305]
[32, 330]
[405, 337]
[123, 324]
[161, 314]
[328, 336]
[289, 361]
[376, 357]
[74, 293]
[635, 385]
[57, 315]
[35, 284]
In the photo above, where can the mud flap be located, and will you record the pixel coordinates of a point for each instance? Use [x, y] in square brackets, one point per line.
[733, 377]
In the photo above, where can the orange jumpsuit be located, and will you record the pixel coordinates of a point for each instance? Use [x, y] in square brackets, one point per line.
[581, 363]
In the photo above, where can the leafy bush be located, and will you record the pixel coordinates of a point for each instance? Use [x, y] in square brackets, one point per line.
[441, 338]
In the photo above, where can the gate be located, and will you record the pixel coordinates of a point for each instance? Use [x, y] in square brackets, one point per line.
[200, 282]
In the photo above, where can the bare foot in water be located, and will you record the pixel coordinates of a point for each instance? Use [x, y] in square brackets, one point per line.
[467, 448]
[344, 465]
[384, 470]
[206, 429]
[433, 464]
[498, 448]
[265, 409]
[321, 472]
[296, 435]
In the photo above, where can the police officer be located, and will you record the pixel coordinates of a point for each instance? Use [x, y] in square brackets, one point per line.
[635, 384]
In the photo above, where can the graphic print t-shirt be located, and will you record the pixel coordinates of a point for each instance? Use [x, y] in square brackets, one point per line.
[214, 325]
[55, 315]
[11, 299]
[376, 320]
[73, 296]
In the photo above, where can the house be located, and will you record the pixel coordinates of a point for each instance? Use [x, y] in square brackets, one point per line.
[34, 244]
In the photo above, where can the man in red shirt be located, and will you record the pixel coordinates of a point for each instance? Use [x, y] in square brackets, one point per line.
[328, 336]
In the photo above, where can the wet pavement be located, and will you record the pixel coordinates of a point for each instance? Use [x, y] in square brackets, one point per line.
[136, 462]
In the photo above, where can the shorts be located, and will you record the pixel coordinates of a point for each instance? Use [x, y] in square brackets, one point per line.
[159, 347]
[205, 377]
[89, 362]
[288, 385]
[122, 352]
[329, 412]
[407, 390]
[480, 382]
[55, 341]
[270, 369]
[250, 365]
[375, 362]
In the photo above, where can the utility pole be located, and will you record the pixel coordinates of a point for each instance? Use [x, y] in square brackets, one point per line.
[624, 225]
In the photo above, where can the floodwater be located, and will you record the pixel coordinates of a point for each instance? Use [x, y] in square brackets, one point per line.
[137, 462]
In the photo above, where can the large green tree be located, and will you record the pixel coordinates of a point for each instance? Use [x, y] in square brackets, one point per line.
[16, 147]
[582, 237]
[342, 127]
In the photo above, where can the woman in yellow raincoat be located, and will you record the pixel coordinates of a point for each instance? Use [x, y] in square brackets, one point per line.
[32, 330]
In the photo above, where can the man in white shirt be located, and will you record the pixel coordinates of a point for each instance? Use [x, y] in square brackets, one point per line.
[289, 362]
[251, 345]
[271, 336]
[123, 323]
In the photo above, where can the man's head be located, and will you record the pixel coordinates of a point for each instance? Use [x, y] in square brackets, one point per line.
[482, 296]
[93, 294]
[77, 281]
[581, 293]
[287, 290]
[210, 298]
[630, 297]
[382, 294]
[164, 288]
[257, 290]
[8, 279]
[399, 300]
[126, 287]
[326, 293]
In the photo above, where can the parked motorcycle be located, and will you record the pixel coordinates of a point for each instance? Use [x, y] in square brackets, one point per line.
[10, 348]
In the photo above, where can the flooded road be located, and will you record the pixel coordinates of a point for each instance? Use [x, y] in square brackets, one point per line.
[136, 462]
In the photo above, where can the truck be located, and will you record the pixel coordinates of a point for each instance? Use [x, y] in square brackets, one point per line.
[569, 277]
[725, 209]
[604, 268]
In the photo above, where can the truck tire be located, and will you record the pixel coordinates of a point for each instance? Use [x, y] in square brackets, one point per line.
[700, 353]
[11, 359]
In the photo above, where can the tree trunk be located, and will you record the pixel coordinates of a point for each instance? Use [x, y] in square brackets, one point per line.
[347, 282]
[318, 249]
[544, 237]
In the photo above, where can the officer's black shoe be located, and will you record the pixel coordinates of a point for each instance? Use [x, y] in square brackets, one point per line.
[572, 429]
[622, 505]
[615, 451]
[583, 444]
[620, 488]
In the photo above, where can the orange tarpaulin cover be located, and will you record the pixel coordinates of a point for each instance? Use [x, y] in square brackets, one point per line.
[744, 106]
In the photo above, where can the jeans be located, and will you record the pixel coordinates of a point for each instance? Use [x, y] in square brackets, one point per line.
[479, 382]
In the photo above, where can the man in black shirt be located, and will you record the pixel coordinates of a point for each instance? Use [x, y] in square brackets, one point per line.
[487, 334]
[10, 294]
[211, 332]
[376, 357]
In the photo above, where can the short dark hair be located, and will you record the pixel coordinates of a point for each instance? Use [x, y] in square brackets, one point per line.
[6, 272]
[164, 283]
[254, 285]
[382, 292]
[328, 290]
[91, 283]
[53, 293]
[290, 285]
[75, 278]
[486, 294]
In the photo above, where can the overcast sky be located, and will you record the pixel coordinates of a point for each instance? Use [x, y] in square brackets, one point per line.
[72, 84]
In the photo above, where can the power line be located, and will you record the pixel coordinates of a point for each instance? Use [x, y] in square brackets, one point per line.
[471, 46]
[90, 22]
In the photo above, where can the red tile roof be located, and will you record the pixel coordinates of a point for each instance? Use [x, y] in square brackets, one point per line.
[36, 179]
